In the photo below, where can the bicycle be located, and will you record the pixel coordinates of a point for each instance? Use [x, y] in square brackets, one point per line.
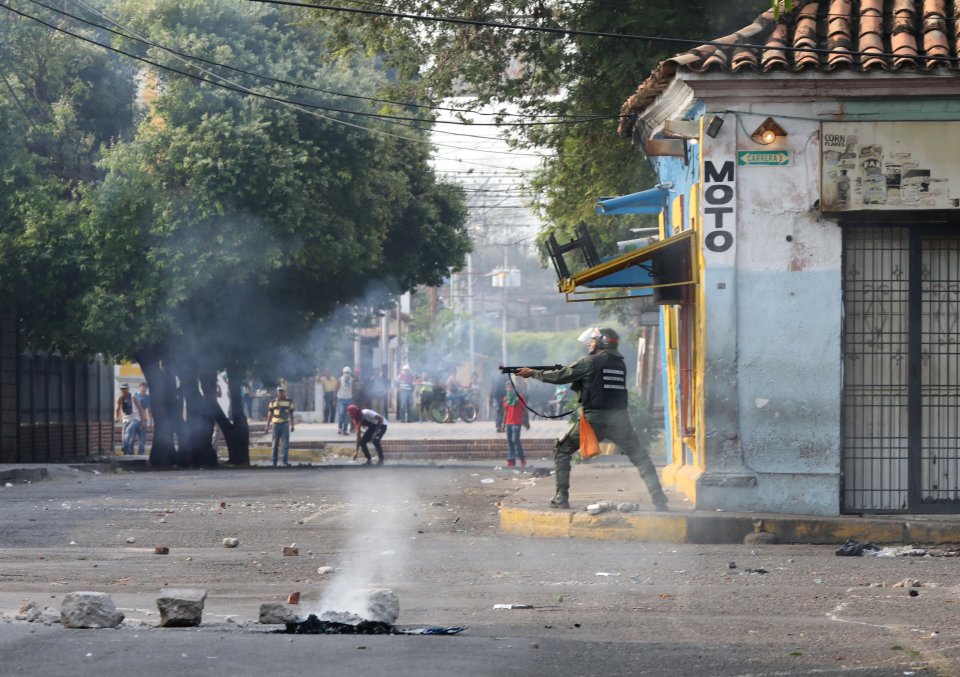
[462, 407]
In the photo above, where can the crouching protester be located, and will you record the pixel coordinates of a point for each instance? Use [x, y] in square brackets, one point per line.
[600, 378]
[370, 426]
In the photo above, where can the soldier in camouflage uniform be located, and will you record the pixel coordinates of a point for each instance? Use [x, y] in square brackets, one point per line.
[600, 380]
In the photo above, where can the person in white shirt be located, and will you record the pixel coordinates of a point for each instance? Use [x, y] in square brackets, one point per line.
[370, 426]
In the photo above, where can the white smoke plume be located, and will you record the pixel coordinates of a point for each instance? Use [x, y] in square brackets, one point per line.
[375, 556]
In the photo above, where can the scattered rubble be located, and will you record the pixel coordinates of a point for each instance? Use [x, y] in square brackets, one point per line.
[597, 508]
[512, 606]
[31, 612]
[628, 507]
[854, 548]
[293, 598]
[907, 583]
[323, 571]
[161, 550]
[89, 610]
[290, 551]
[231, 542]
[181, 607]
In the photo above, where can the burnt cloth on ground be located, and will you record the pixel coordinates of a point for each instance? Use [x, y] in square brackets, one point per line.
[314, 626]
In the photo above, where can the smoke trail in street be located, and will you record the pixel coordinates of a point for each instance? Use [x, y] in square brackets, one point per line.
[376, 553]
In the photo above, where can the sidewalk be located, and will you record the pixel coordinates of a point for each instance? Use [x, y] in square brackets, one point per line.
[614, 480]
[485, 430]
[320, 443]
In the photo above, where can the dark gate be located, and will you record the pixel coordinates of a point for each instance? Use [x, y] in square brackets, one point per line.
[52, 410]
[901, 399]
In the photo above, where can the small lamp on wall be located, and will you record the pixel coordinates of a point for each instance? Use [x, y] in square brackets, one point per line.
[767, 132]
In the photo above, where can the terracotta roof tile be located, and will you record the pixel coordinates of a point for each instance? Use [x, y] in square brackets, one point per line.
[826, 35]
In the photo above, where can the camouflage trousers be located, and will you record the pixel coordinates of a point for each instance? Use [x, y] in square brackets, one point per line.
[610, 425]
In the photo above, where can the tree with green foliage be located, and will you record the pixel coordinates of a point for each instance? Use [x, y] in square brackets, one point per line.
[61, 100]
[575, 83]
[227, 226]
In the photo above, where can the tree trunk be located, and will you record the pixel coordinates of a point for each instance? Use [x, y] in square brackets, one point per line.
[194, 435]
[237, 433]
[203, 418]
[163, 402]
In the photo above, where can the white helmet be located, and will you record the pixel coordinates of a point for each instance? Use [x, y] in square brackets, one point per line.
[346, 370]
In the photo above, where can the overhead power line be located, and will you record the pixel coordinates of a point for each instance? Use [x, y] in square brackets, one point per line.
[309, 109]
[593, 34]
[574, 119]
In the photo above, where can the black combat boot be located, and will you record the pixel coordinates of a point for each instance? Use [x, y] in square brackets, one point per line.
[560, 500]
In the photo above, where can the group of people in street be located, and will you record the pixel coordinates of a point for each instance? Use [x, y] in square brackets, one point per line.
[599, 379]
[413, 394]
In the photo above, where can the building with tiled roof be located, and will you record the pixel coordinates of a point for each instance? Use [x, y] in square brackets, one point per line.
[813, 353]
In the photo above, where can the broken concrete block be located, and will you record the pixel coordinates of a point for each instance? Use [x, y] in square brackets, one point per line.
[628, 507]
[378, 604]
[273, 614]
[89, 610]
[344, 617]
[161, 550]
[383, 605]
[48, 616]
[323, 571]
[290, 551]
[181, 607]
[231, 542]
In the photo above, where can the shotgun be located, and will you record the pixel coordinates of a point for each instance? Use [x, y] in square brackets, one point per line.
[540, 367]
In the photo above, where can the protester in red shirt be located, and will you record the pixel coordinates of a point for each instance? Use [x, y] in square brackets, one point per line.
[513, 420]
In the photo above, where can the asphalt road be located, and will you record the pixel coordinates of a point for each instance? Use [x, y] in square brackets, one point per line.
[430, 533]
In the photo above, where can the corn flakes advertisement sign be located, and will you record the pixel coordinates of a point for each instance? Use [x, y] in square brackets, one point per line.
[890, 166]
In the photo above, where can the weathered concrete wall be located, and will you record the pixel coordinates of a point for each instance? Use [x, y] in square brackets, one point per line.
[773, 320]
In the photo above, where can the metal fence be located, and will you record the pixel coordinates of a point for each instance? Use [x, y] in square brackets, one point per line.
[51, 409]
[901, 360]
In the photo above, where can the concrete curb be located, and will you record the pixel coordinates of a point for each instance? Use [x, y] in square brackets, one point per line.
[23, 475]
[723, 528]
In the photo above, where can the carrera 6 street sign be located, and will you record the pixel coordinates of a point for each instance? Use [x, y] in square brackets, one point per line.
[763, 158]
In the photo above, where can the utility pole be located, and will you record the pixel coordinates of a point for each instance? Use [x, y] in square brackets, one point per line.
[470, 310]
[503, 315]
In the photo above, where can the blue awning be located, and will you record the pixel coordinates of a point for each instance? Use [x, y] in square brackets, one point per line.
[645, 202]
[633, 276]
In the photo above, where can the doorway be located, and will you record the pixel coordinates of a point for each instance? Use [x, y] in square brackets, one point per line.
[901, 366]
